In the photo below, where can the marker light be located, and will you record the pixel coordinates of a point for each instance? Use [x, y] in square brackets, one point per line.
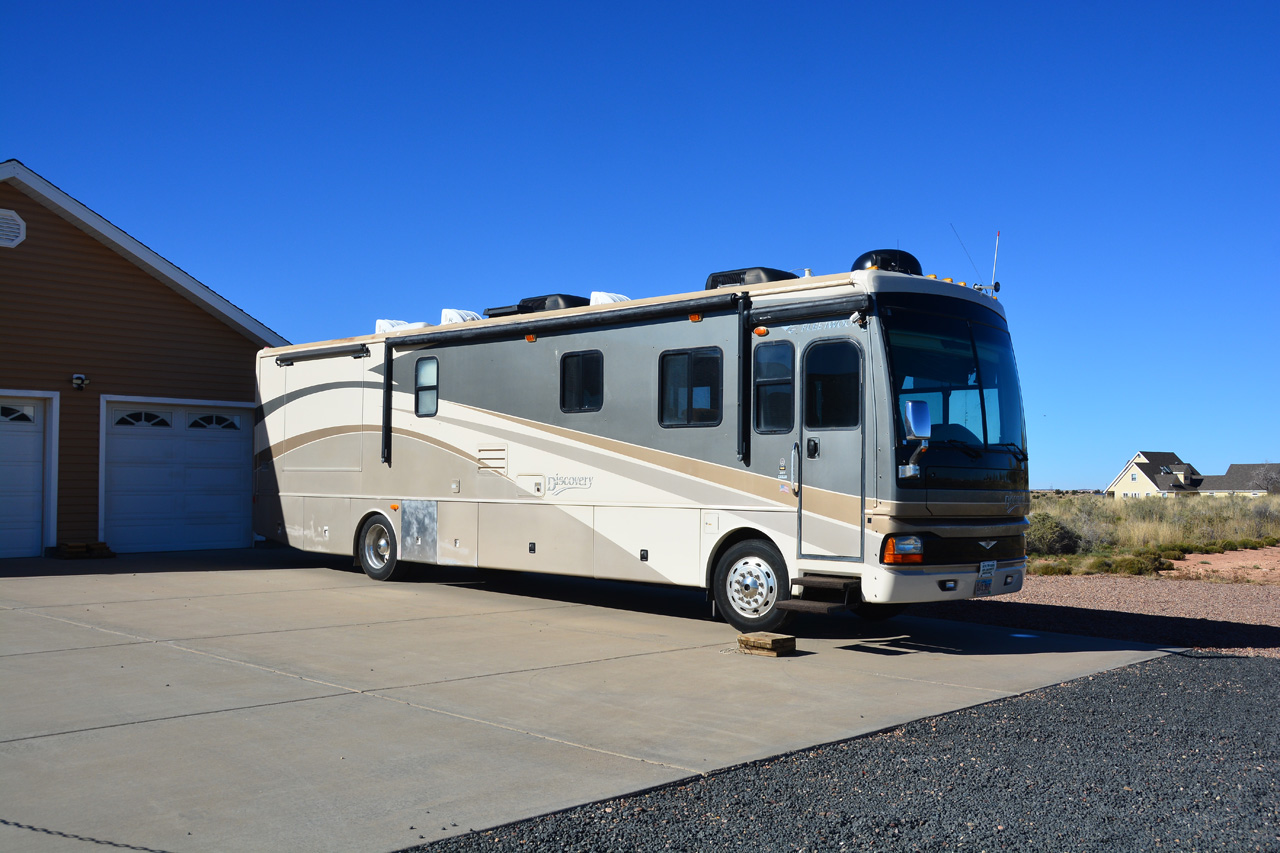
[530, 338]
[932, 275]
[904, 549]
[395, 507]
[760, 331]
[952, 280]
[695, 318]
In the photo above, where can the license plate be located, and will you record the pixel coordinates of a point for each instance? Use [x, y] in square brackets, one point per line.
[986, 571]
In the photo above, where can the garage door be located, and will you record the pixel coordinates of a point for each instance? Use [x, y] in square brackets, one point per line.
[21, 477]
[178, 478]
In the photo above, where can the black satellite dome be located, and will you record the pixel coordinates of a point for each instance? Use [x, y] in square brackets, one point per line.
[892, 260]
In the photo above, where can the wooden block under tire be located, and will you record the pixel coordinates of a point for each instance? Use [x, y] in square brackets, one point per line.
[765, 643]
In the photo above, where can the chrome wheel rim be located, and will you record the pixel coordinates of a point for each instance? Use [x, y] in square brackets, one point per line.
[753, 587]
[377, 546]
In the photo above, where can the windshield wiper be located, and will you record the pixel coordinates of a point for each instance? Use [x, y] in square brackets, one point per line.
[968, 449]
[1017, 451]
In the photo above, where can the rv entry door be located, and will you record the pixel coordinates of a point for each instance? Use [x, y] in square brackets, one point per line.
[830, 450]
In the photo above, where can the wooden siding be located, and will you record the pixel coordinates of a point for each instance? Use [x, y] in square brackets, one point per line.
[69, 304]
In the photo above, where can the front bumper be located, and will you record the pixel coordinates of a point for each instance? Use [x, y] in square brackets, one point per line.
[885, 585]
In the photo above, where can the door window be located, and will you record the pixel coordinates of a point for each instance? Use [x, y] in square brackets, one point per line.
[832, 396]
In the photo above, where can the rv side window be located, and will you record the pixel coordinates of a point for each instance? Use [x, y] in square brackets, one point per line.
[582, 381]
[775, 387]
[426, 387]
[689, 386]
[832, 392]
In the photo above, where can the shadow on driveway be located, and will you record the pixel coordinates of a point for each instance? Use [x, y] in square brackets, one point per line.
[234, 560]
[686, 603]
[1110, 624]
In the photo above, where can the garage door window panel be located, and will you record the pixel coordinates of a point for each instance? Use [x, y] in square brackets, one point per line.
[144, 419]
[214, 422]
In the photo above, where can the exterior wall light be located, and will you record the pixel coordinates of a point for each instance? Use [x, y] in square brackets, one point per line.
[78, 381]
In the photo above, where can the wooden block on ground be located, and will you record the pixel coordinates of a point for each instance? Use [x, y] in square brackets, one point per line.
[72, 550]
[767, 644]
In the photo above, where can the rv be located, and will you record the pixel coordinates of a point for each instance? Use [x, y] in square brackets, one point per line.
[788, 443]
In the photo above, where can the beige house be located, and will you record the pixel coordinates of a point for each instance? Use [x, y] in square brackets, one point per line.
[126, 387]
[1161, 474]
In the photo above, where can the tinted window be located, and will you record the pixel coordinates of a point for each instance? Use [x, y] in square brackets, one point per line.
[774, 376]
[689, 386]
[582, 382]
[426, 387]
[832, 393]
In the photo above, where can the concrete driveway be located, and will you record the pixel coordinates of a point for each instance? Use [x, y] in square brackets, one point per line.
[274, 700]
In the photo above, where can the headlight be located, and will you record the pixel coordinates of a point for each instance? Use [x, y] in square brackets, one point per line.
[904, 549]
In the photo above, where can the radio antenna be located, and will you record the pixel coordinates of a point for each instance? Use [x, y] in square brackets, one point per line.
[966, 254]
[995, 257]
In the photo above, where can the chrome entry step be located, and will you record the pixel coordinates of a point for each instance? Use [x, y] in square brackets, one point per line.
[801, 605]
[822, 582]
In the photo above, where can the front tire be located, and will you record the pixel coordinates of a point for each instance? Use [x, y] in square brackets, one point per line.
[750, 581]
[378, 550]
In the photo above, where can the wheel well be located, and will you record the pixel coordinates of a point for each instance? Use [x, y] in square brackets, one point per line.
[733, 538]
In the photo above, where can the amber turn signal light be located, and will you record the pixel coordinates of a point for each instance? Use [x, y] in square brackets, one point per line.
[904, 549]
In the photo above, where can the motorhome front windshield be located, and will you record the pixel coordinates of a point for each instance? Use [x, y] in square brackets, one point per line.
[962, 365]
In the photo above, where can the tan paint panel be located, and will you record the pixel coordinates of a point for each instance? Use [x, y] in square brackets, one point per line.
[562, 536]
[326, 525]
[747, 483]
[457, 534]
[668, 536]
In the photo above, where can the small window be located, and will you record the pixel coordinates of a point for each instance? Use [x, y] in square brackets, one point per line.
[582, 381]
[689, 387]
[1133, 478]
[426, 387]
[17, 414]
[832, 390]
[774, 376]
[144, 419]
[214, 422]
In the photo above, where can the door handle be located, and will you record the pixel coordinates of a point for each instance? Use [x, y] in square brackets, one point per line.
[795, 468]
[812, 448]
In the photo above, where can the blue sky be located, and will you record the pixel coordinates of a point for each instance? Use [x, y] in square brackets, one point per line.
[323, 165]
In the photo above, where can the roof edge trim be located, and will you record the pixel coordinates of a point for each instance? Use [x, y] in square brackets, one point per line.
[97, 226]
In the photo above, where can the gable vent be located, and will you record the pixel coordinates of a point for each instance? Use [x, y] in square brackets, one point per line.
[12, 229]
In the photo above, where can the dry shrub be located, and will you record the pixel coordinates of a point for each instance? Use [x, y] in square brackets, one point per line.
[1056, 567]
[1196, 522]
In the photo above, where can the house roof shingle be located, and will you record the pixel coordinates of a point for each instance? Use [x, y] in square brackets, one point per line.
[1162, 468]
[1240, 477]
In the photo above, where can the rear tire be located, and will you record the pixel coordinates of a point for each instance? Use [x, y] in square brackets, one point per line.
[750, 581]
[378, 550]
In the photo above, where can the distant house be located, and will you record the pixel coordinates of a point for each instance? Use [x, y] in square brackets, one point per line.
[1161, 474]
[126, 387]
[1251, 480]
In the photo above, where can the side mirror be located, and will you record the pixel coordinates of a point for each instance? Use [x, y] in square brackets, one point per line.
[917, 420]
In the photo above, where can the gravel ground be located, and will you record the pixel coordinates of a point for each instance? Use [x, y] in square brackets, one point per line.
[1179, 753]
[1233, 618]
